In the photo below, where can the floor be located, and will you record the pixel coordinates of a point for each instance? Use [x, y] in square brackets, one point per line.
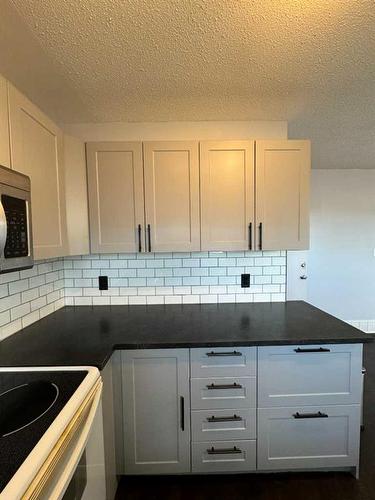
[298, 486]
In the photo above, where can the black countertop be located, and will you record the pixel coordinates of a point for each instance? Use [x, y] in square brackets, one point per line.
[87, 335]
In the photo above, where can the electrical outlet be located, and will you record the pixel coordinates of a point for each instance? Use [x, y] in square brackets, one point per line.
[103, 282]
[245, 280]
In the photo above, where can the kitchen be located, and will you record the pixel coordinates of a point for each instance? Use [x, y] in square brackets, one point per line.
[186, 230]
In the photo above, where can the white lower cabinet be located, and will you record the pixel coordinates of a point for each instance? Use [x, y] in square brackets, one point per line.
[224, 456]
[156, 411]
[236, 401]
[310, 437]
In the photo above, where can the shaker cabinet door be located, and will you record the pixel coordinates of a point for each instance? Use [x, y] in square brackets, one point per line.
[156, 411]
[37, 151]
[115, 188]
[171, 171]
[227, 195]
[282, 195]
[308, 437]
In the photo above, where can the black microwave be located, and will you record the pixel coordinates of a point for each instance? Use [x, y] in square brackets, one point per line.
[16, 241]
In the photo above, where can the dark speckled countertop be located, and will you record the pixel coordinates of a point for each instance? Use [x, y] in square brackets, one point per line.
[88, 335]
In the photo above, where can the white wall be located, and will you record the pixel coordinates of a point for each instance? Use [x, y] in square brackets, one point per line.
[179, 131]
[341, 262]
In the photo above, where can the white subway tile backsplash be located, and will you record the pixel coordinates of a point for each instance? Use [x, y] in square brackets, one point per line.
[163, 278]
[173, 299]
[136, 300]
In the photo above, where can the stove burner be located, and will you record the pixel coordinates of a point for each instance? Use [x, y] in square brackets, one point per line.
[24, 404]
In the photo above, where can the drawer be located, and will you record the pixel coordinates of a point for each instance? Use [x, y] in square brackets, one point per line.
[228, 392]
[223, 425]
[309, 375]
[299, 438]
[224, 456]
[223, 362]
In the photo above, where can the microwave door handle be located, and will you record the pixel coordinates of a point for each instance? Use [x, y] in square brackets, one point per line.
[3, 229]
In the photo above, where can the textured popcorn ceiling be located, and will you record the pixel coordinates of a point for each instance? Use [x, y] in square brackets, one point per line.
[311, 62]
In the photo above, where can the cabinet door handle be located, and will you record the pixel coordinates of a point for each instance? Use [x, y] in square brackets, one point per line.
[182, 413]
[139, 238]
[213, 354]
[235, 418]
[319, 349]
[224, 386]
[149, 237]
[260, 236]
[223, 451]
[250, 236]
[310, 415]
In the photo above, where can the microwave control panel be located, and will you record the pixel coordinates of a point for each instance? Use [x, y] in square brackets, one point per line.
[16, 216]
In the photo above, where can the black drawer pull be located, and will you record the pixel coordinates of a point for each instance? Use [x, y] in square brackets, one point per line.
[319, 349]
[224, 386]
[213, 354]
[319, 414]
[235, 418]
[223, 451]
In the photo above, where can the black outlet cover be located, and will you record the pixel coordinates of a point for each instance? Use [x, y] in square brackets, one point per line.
[103, 282]
[245, 280]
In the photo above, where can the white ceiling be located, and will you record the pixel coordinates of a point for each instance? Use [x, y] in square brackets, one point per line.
[311, 62]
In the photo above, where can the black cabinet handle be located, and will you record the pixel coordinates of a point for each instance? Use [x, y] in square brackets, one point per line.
[213, 354]
[224, 386]
[310, 415]
[319, 349]
[139, 238]
[149, 237]
[250, 236]
[235, 418]
[223, 451]
[182, 413]
[260, 236]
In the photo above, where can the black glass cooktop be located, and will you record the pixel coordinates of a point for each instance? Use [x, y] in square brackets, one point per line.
[29, 403]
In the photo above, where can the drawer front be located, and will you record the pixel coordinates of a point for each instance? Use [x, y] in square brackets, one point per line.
[228, 392]
[328, 439]
[224, 456]
[223, 425]
[223, 362]
[309, 375]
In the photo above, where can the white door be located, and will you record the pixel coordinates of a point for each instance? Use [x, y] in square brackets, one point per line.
[227, 195]
[282, 176]
[156, 411]
[37, 151]
[171, 172]
[297, 275]
[115, 188]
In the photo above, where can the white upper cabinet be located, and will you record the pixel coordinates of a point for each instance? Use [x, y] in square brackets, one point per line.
[227, 195]
[282, 195]
[171, 173]
[4, 124]
[37, 151]
[116, 203]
